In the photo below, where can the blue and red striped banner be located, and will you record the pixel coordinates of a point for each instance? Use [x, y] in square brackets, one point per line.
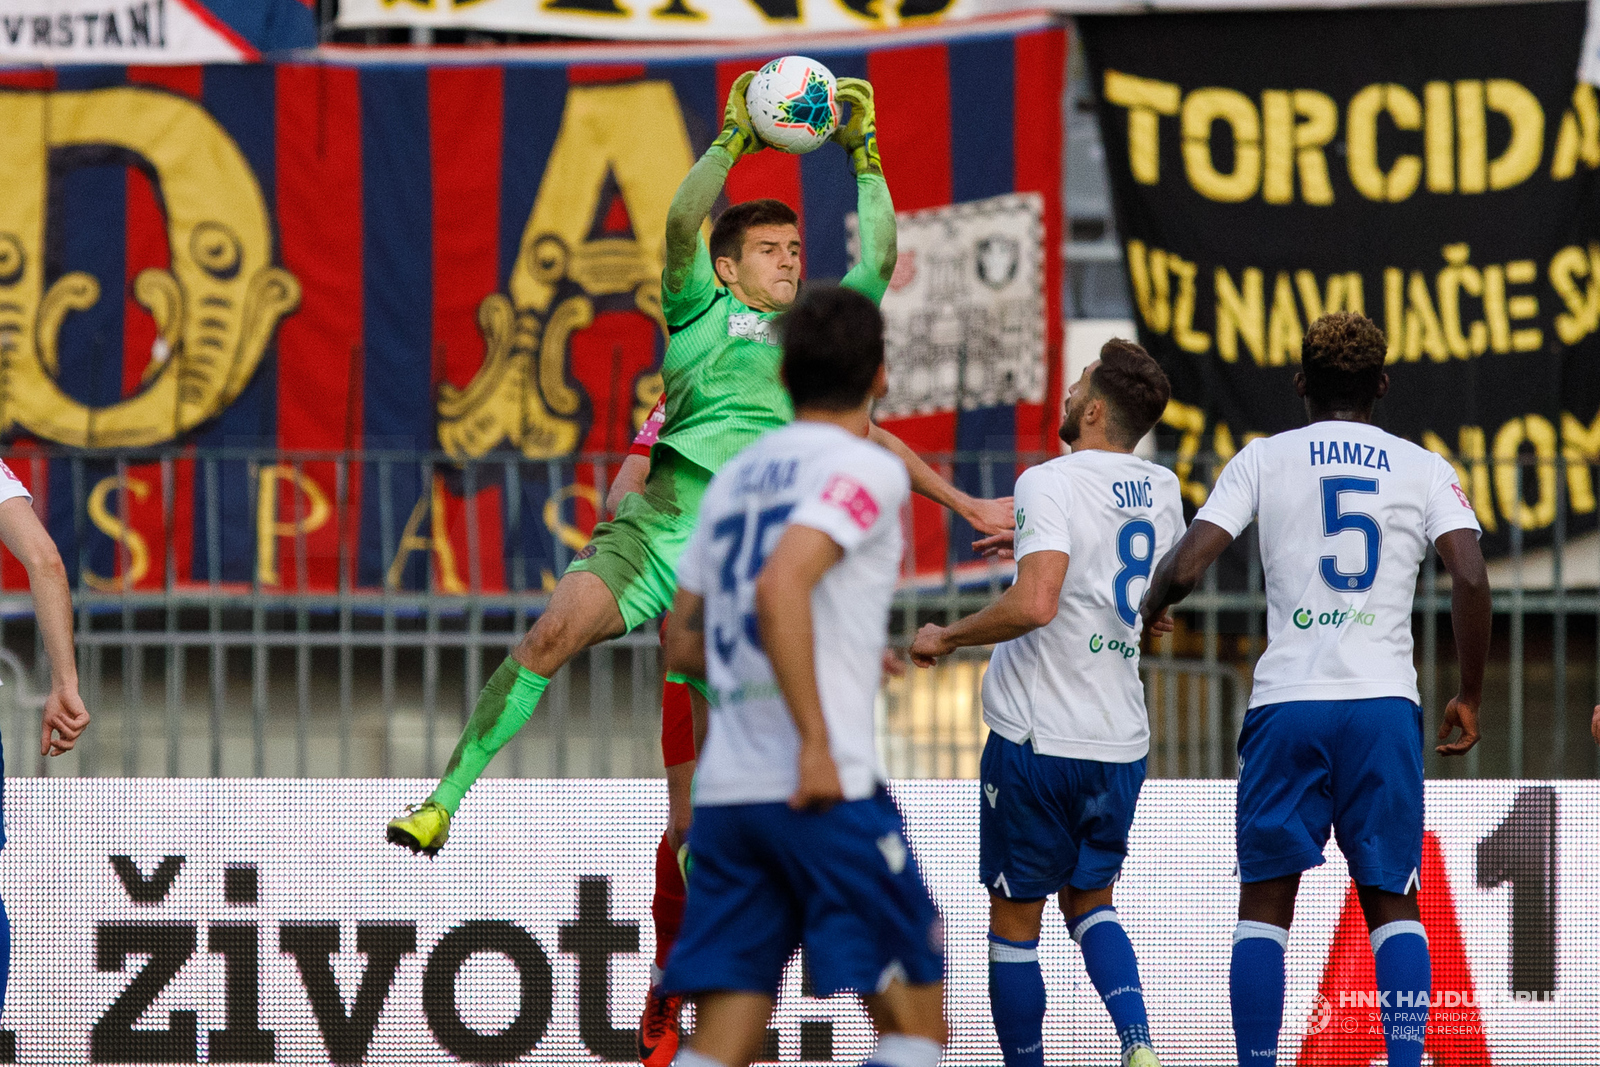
[444, 226]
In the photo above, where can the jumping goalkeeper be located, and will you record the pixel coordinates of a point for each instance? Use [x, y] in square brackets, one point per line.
[721, 377]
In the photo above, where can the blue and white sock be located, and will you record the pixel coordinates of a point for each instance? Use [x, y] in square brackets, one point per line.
[1405, 977]
[1016, 1000]
[903, 1050]
[1114, 970]
[1255, 988]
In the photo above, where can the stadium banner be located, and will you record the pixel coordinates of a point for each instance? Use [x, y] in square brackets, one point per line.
[720, 20]
[1432, 167]
[681, 20]
[54, 32]
[460, 258]
[211, 933]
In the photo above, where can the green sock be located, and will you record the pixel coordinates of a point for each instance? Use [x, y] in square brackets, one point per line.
[505, 704]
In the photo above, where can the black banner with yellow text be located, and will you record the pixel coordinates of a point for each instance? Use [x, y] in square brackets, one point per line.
[1433, 168]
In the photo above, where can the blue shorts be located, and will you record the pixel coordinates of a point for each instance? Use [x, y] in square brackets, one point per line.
[1352, 766]
[1047, 822]
[765, 879]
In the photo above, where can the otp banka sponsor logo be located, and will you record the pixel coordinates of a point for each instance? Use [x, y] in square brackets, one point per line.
[1305, 619]
[1126, 649]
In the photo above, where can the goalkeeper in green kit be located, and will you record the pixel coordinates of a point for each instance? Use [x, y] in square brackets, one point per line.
[723, 390]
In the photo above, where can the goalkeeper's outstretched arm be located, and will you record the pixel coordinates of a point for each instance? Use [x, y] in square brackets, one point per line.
[693, 201]
[874, 207]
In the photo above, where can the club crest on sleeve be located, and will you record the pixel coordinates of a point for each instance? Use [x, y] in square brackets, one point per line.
[5, 472]
[851, 497]
[1461, 496]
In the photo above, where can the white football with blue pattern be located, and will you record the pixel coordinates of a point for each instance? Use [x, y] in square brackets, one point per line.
[793, 104]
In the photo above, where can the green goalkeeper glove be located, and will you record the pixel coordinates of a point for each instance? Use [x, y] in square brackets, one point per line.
[738, 138]
[859, 136]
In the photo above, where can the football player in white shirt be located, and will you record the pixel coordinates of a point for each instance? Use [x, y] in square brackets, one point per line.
[1333, 736]
[783, 608]
[1068, 730]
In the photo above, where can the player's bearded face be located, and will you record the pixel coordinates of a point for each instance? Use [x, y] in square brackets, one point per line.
[768, 271]
[1077, 400]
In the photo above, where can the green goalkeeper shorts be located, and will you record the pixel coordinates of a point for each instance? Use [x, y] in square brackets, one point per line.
[636, 553]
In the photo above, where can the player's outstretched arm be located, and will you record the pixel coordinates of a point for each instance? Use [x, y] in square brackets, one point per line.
[783, 618]
[1030, 603]
[874, 208]
[1471, 617]
[65, 717]
[686, 639]
[1181, 570]
[985, 516]
[695, 197]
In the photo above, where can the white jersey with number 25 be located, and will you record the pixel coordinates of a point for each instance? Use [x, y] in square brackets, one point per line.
[821, 476]
[1346, 515]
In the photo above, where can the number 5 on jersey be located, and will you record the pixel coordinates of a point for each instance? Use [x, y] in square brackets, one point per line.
[1335, 522]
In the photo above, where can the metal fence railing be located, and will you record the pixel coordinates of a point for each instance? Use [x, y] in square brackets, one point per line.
[233, 621]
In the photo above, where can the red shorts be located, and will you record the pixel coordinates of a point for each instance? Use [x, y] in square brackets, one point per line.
[677, 721]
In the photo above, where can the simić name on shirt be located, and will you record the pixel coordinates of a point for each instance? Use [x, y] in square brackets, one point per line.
[1133, 494]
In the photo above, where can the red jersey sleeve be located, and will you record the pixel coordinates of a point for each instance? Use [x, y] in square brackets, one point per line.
[645, 439]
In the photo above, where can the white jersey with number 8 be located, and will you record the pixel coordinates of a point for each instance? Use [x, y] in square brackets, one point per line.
[1347, 512]
[1072, 686]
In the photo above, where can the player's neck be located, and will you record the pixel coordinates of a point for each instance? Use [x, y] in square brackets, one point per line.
[857, 420]
[1320, 415]
[1094, 439]
[754, 301]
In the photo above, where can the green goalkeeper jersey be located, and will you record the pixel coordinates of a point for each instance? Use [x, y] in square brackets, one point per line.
[721, 367]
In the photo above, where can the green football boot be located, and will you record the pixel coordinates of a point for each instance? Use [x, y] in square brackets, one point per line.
[423, 828]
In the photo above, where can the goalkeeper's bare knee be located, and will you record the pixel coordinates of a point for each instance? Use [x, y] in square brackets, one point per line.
[582, 612]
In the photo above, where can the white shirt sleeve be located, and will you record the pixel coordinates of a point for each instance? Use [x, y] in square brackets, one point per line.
[1448, 505]
[1043, 507]
[1172, 509]
[1235, 498]
[691, 572]
[11, 486]
[857, 490]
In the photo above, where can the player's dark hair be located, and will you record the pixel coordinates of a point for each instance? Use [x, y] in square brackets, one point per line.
[727, 236]
[832, 348]
[1342, 358]
[1135, 390]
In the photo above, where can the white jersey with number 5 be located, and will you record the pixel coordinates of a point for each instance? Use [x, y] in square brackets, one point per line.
[1347, 513]
[806, 474]
[1072, 686]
